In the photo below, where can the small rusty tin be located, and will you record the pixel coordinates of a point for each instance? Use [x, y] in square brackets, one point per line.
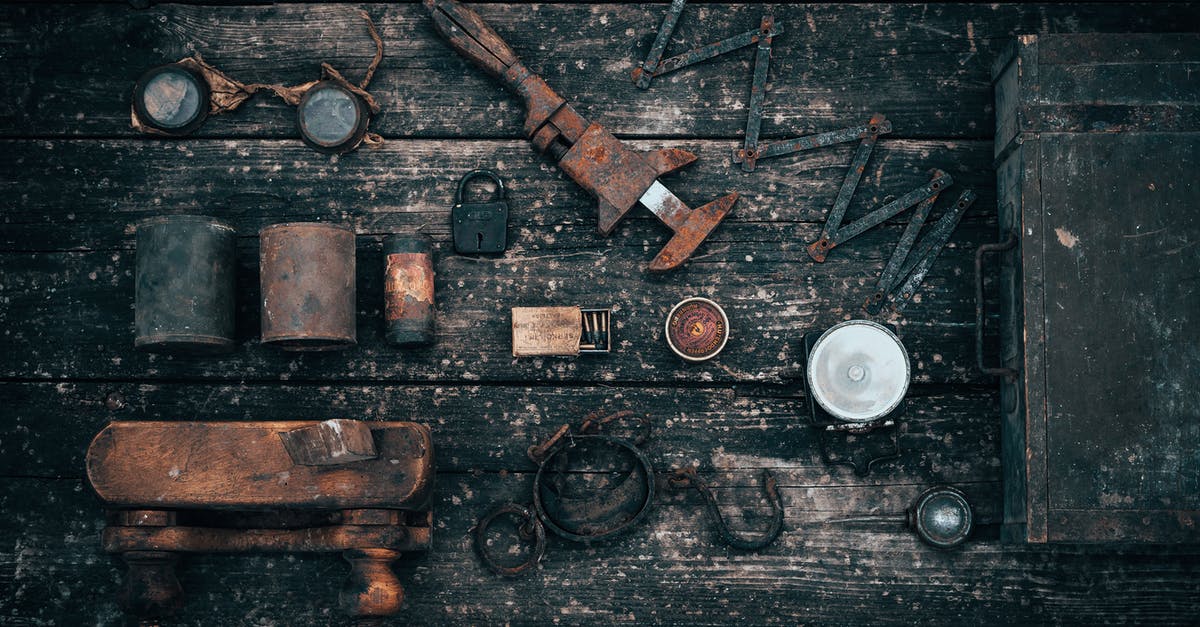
[408, 289]
[697, 329]
[307, 274]
[331, 118]
[185, 285]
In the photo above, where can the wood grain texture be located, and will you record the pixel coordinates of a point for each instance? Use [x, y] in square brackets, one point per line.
[668, 571]
[925, 66]
[951, 436]
[754, 264]
[80, 178]
[203, 464]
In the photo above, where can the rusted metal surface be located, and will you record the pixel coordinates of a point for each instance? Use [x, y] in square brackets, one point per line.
[530, 530]
[603, 512]
[835, 233]
[588, 488]
[876, 126]
[618, 176]
[307, 275]
[408, 311]
[655, 66]
[996, 247]
[185, 285]
[750, 152]
[697, 329]
[758, 91]
[904, 272]
[644, 72]
[689, 478]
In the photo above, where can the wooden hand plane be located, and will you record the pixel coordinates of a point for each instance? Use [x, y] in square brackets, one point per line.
[618, 176]
[359, 488]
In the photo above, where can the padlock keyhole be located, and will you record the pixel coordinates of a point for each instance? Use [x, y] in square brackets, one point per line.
[479, 245]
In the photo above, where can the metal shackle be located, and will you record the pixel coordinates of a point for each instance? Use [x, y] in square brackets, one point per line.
[474, 174]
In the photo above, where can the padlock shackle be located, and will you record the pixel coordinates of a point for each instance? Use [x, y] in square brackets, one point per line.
[474, 174]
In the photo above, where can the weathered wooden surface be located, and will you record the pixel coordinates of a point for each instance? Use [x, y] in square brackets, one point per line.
[1107, 437]
[925, 66]
[79, 178]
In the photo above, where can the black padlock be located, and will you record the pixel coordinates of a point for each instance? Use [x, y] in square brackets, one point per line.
[480, 227]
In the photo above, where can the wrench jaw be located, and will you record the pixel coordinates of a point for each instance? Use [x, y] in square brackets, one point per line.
[700, 222]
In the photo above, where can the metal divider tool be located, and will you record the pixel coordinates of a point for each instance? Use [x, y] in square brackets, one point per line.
[835, 233]
[763, 37]
[876, 126]
[904, 272]
[617, 175]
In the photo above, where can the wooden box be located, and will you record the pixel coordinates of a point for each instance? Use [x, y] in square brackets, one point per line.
[1097, 149]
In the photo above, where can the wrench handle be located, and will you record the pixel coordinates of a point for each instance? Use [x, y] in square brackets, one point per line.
[468, 34]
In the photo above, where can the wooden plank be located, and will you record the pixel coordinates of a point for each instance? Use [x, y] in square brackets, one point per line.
[951, 435]
[669, 570]
[770, 291]
[1121, 438]
[202, 464]
[88, 194]
[925, 66]
[754, 263]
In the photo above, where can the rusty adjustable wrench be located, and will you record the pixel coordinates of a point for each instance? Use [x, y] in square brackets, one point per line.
[617, 175]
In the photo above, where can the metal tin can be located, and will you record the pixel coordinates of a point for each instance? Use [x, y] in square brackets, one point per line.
[408, 289]
[307, 275]
[185, 285]
[858, 371]
[697, 329]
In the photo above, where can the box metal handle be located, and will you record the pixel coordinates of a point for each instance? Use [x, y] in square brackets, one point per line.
[1007, 244]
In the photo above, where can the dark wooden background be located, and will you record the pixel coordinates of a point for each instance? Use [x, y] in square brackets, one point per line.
[76, 178]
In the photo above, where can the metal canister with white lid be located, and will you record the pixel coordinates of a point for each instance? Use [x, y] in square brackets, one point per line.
[858, 371]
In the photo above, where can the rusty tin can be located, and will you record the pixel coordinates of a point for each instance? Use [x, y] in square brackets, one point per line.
[697, 329]
[408, 289]
[185, 285]
[306, 270]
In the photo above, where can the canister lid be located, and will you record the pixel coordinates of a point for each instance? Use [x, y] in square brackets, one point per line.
[858, 371]
[697, 329]
[171, 98]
